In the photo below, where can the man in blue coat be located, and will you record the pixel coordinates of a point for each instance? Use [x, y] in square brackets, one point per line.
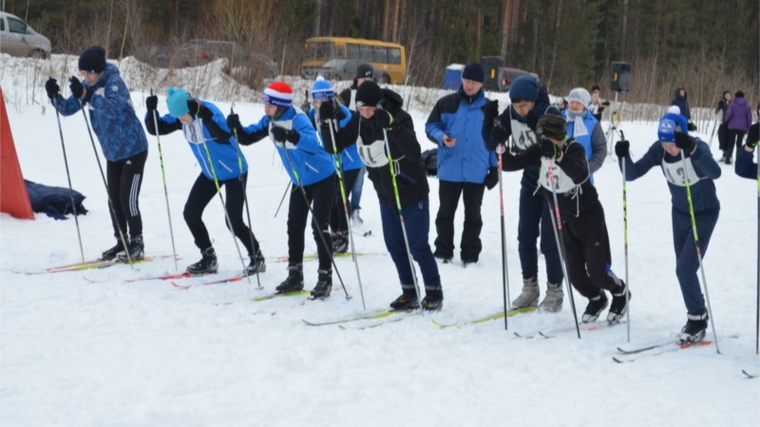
[465, 167]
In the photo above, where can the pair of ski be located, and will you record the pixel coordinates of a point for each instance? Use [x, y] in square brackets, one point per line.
[655, 348]
[92, 265]
[551, 333]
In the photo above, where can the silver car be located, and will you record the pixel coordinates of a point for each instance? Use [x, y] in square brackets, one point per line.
[17, 38]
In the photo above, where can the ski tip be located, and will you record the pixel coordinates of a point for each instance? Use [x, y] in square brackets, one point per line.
[180, 287]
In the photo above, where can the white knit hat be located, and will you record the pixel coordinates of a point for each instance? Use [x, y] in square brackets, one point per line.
[581, 95]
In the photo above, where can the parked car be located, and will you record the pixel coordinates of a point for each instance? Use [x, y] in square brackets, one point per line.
[17, 38]
[508, 75]
[340, 69]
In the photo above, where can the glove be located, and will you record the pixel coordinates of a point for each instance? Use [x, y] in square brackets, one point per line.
[490, 112]
[606, 103]
[691, 126]
[233, 121]
[492, 178]
[76, 87]
[548, 148]
[383, 119]
[685, 142]
[622, 148]
[327, 111]
[52, 88]
[305, 107]
[499, 135]
[281, 134]
[151, 103]
[532, 120]
[204, 112]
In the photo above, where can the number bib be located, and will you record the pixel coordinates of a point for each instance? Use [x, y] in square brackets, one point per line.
[676, 175]
[194, 132]
[373, 155]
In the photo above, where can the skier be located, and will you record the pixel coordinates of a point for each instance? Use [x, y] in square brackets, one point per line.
[216, 151]
[380, 112]
[684, 161]
[518, 120]
[465, 167]
[583, 127]
[122, 140]
[738, 121]
[722, 107]
[312, 172]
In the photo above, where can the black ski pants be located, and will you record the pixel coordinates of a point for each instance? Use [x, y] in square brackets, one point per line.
[449, 194]
[338, 217]
[735, 138]
[320, 196]
[124, 179]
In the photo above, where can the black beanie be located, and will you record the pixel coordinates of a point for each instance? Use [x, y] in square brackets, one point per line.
[369, 94]
[93, 60]
[552, 126]
[474, 72]
[739, 94]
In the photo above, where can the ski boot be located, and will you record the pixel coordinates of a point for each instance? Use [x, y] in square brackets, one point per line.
[207, 264]
[529, 295]
[552, 302]
[294, 282]
[595, 306]
[695, 329]
[324, 285]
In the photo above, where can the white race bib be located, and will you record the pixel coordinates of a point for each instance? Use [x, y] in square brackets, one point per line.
[194, 132]
[676, 175]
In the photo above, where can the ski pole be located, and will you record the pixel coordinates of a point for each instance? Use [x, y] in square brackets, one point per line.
[696, 245]
[339, 171]
[163, 178]
[504, 263]
[757, 306]
[314, 219]
[401, 216]
[103, 176]
[68, 176]
[625, 248]
[557, 228]
[287, 187]
[715, 125]
[245, 199]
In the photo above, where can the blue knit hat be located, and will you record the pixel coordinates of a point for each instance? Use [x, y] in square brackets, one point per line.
[322, 89]
[666, 131]
[474, 72]
[524, 88]
[177, 102]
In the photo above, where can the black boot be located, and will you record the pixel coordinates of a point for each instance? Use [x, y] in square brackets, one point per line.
[112, 253]
[695, 329]
[340, 242]
[294, 282]
[324, 285]
[595, 306]
[407, 301]
[135, 248]
[433, 300]
[207, 264]
[257, 265]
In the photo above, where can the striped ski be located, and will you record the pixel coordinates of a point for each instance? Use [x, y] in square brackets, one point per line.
[499, 315]
[673, 346]
[368, 316]
[90, 265]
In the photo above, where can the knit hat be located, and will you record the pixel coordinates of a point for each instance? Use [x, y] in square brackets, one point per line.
[474, 72]
[369, 94]
[551, 126]
[177, 102]
[93, 60]
[666, 131]
[581, 95]
[322, 89]
[674, 109]
[525, 88]
[364, 70]
[279, 94]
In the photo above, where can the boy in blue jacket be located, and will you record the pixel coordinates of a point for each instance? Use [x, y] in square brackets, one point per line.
[312, 172]
[220, 160]
[683, 158]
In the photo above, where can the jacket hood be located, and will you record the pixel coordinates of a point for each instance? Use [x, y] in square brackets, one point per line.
[740, 101]
[677, 93]
[393, 101]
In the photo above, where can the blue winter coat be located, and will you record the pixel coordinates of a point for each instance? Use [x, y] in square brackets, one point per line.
[460, 117]
[112, 116]
[702, 169]
[311, 162]
[349, 158]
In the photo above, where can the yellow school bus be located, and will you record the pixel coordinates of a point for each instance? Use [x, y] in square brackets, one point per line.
[390, 58]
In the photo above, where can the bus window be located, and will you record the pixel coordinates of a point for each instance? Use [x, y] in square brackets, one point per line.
[394, 55]
[322, 51]
[381, 54]
[366, 53]
[353, 51]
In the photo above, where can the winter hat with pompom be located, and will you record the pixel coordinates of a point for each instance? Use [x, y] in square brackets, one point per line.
[322, 90]
[279, 94]
[177, 102]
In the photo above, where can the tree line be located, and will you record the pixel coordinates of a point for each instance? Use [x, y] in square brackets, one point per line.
[706, 46]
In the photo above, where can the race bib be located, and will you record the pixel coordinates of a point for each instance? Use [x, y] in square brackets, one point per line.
[194, 132]
[677, 175]
[373, 155]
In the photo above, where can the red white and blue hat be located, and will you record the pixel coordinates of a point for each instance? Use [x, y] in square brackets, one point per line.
[279, 94]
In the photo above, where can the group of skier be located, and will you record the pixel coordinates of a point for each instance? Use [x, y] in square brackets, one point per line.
[326, 151]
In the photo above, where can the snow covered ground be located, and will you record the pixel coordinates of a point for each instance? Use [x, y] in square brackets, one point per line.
[118, 353]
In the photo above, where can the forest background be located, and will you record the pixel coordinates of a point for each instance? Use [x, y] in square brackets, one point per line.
[706, 46]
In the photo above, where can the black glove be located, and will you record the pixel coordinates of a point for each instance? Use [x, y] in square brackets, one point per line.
[622, 148]
[151, 103]
[492, 178]
[691, 126]
[233, 121]
[383, 118]
[685, 142]
[499, 135]
[606, 103]
[327, 140]
[52, 88]
[281, 134]
[205, 113]
[548, 148]
[532, 120]
[327, 111]
[490, 112]
[76, 87]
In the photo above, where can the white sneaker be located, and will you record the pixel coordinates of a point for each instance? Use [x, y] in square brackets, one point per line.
[554, 297]
[529, 295]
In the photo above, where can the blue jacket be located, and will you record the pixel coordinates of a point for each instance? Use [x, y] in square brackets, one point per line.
[349, 158]
[702, 169]
[745, 165]
[311, 162]
[223, 158]
[460, 117]
[112, 116]
[594, 141]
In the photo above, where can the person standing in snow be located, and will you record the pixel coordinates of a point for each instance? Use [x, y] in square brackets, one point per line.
[680, 99]
[596, 105]
[584, 233]
[121, 138]
[738, 121]
[684, 160]
[348, 161]
[518, 120]
[722, 108]
[380, 113]
[312, 172]
[584, 128]
[216, 151]
[465, 167]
